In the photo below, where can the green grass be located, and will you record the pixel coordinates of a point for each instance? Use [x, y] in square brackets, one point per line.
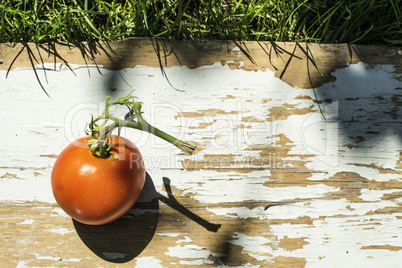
[347, 21]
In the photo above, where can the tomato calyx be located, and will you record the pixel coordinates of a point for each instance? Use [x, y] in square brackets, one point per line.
[99, 148]
[99, 144]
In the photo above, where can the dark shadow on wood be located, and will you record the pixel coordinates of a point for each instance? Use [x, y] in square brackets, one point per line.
[292, 55]
[50, 49]
[243, 48]
[273, 47]
[89, 52]
[367, 107]
[310, 59]
[124, 239]
[352, 50]
[173, 203]
[163, 49]
[269, 53]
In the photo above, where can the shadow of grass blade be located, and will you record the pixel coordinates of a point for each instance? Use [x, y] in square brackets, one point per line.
[31, 57]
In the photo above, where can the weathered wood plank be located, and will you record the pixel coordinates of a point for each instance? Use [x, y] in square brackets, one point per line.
[285, 174]
[293, 63]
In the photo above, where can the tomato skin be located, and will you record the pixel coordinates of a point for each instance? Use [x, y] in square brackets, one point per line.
[94, 190]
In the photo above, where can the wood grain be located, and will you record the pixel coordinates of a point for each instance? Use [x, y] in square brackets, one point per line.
[297, 64]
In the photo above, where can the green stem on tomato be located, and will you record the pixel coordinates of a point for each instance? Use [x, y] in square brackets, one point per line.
[99, 145]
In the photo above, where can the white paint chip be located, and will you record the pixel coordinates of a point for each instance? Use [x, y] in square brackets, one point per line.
[171, 234]
[22, 264]
[188, 251]
[30, 221]
[60, 212]
[148, 262]
[257, 247]
[62, 231]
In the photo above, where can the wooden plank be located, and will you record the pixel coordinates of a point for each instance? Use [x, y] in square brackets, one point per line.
[296, 64]
[294, 168]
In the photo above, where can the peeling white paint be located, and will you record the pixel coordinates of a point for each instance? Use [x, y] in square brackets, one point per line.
[41, 257]
[29, 187]
[196, 262]
[146, 262]
[171, 234]
[21, 264]
[29, 222]
[215, 80]
[339, 228]
[61, 230]
[370, 195]
[239, 212]
[235, 49]
[212, 192]
[340, 241]
[57, 259]
[188, 252]
[257, 247]
[60, 212]
[327, 208]
[185, 240]
[73, 260]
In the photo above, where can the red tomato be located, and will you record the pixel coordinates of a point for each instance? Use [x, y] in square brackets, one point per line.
[95, 190]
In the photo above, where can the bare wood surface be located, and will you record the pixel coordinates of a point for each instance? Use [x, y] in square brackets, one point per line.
[294, 168]
[296, 64]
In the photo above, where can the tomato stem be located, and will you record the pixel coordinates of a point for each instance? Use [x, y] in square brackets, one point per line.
[100, 146]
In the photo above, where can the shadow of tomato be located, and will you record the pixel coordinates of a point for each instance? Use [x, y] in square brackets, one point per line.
[124, 239]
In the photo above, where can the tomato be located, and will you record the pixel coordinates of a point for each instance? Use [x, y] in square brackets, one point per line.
[94, 190]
